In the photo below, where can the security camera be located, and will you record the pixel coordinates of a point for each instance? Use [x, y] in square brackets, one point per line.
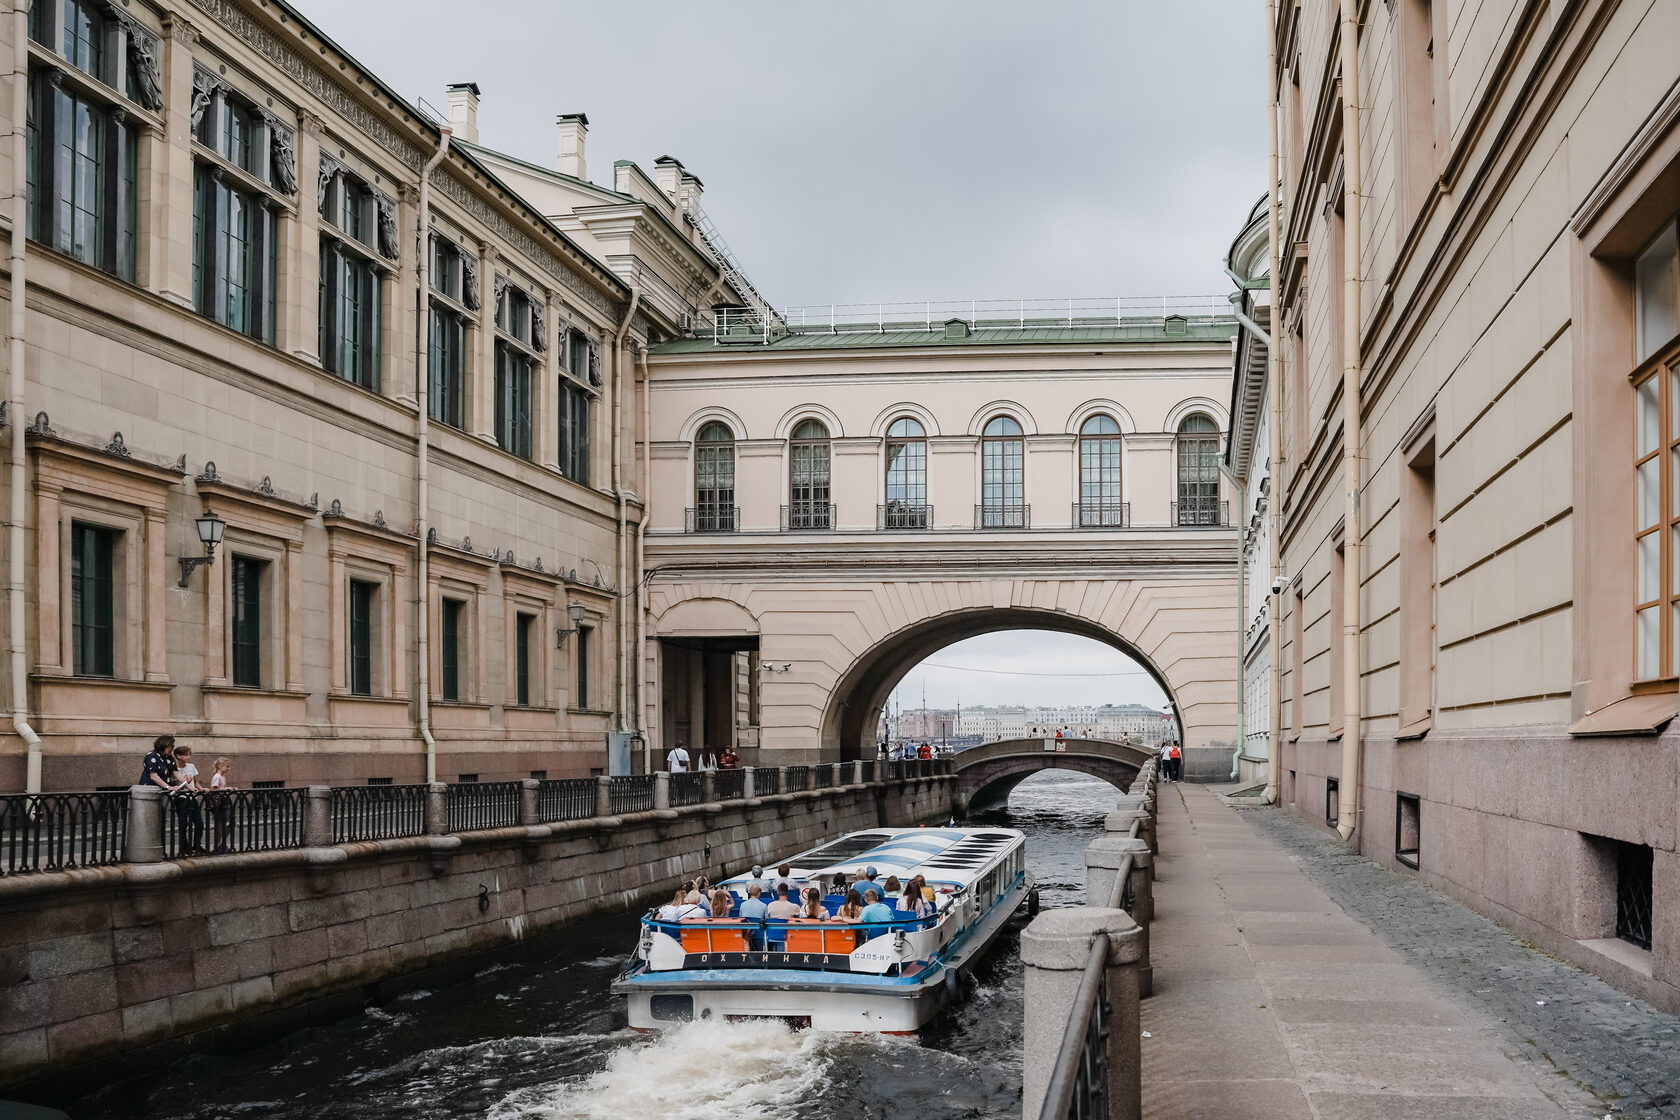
[1278, 585]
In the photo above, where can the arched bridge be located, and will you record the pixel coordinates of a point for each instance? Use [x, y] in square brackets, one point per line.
[985, 774]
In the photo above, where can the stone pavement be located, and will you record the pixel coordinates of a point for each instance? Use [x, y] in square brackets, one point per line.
[1271, 1001]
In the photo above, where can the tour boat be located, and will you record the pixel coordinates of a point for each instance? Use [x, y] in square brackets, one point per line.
[890, 977]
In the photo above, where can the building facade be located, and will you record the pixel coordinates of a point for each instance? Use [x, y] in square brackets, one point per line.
[1477, 309]
[227, 312]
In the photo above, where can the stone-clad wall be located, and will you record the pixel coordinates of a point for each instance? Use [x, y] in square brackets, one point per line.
[119, 957]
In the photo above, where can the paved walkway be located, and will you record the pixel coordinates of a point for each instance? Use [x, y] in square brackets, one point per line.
[1271, 1001]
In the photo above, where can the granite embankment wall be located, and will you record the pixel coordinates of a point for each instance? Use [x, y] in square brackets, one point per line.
[109, 959]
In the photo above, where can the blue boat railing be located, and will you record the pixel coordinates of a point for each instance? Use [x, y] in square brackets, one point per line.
[834, 939]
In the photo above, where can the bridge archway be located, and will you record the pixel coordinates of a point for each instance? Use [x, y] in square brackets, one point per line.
[854, 708]
[986, 774]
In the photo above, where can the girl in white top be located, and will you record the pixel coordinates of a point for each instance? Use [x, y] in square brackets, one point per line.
[679, 909]
[220, 811]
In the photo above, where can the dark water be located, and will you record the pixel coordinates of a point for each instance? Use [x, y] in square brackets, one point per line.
[540, 1038]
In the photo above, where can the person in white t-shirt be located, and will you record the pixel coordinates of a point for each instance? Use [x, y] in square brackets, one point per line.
[678, 760]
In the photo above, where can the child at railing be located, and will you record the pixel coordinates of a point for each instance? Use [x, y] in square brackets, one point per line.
[220, 804]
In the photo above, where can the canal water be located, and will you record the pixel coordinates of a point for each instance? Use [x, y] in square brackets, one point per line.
[541, 1038]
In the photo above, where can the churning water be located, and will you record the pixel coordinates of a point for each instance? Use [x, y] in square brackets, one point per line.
[540, 1038]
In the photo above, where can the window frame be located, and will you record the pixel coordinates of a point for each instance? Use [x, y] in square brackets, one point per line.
[452, 613]
[810, 509]
[517, 362]
[524, 627]
[257, 585]
[448, 371]
[1203, 507]
[580, 666]
[906, 511]
[218, 180]
[370, 624]
[998, 474]
[714, 504]
[574, 401]
[1098, 443]
[1656, 460]
[353, 276]
[81, 531]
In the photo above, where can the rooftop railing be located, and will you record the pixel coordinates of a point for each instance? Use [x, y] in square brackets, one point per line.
[1003, 314]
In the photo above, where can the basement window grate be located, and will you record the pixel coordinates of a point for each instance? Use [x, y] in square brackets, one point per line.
[1332, 801]
[1408, 828]
[1633, 894]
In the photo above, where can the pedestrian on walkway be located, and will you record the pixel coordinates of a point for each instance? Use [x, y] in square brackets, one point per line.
[1176, 761]
[677, 760]
[188, 811]
[220, 803]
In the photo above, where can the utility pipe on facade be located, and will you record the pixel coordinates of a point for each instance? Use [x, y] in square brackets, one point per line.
[422, 387]
[1274, 385]
[641, 563]
[1348, 803]
[19, 457]
[1242, 607]
[623, 691]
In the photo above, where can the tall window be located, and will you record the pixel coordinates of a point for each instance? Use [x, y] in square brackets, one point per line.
[83, 153]
[1198, 472]
[1099, 474]
[246, 576]
[364, 601]
[515, 362]
[580, 356]
[446, 362]
[235, 254]
[1656, 380]
[714, 480]
[808, 477]
[1002, 476]
[907, 505]
[523, 625]
[92, 599]
[582, 658]
[449, 652]
[352, 281]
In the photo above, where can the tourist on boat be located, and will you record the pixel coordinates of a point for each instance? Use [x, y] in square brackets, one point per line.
[876, 912]
[782, 909]
[915, 901]
[754, 908]
[721, 904]
[813, 908]
[894, 887]
[758, 880]
[784, 878]
[679, 908]
[850, 910]
[839, 885]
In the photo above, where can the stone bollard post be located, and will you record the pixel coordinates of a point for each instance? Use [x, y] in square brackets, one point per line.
[1120, 821]
[603, 796]
[857, 773]
[1103, 857]
[317, 817]
[1055, 949]
[144, 841]
[530, 801]
[708, 786]
[836, 780]
[662, 790]
[747, 782]
[437, 809]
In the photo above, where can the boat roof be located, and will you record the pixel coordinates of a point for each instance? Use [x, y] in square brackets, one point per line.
[945, 855]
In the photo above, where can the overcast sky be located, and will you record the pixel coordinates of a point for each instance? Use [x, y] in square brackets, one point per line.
[901, 149]
[1027, 667]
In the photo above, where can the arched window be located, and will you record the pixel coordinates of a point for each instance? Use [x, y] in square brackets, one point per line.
[1198, 472]
[714, 480]
[808, 471]
[1002, 476]
[1100, 505]
[907, 505]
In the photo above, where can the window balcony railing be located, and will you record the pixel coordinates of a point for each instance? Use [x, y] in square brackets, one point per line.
[994, 516]
[1199, 512]
[712, 519]
[904, 515]
[1102, 515]
[799, 516]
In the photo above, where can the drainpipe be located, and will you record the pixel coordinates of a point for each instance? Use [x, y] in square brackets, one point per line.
[422, 385]
[618, 497]
[1242, 614]
[15, 572]
[641, 560]
[1353, 179]
[1274, 383]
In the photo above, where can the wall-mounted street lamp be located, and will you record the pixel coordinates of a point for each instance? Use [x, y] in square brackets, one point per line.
[575, 612]
[210, 529]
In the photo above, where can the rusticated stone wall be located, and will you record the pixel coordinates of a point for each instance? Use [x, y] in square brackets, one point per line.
[119, 957]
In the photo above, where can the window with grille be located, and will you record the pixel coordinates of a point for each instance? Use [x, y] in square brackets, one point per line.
[92, 599]
[246, 577]
[1198, 471]
[1100, 503]
[352, 281]
[1633, 894]
[1656, 381]
[1408, 828]
[808, 476]
[1002, 474]
[906, 483]
[714, 479]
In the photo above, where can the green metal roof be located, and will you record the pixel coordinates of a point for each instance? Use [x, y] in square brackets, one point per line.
[821, 338]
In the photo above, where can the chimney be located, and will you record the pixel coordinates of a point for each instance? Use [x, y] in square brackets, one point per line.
[668, 173]
[574, 127]
[691, 189]
[463, 110]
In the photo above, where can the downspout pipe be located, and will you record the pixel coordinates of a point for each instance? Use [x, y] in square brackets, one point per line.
[1242, 616]
[641, 560]
[1247, 324]
[1274, 387]
[422, 438]
[1348, 807]
[14, 394]
[621, 621]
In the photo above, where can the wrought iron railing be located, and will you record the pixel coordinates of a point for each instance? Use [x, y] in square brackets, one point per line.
[220, 821]
[479, 805]
[904, 515]
[59, 831]
[729, 785]
[869, 770]
[808, 515]
[686, 789]
[1200, 512]
[795, 778]
[1102, 515]
[377, 812]
[712, 519]
[566, 799]
[998, 515]
[632, 793]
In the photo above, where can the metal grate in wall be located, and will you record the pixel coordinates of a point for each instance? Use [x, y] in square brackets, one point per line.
[1633, 894]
